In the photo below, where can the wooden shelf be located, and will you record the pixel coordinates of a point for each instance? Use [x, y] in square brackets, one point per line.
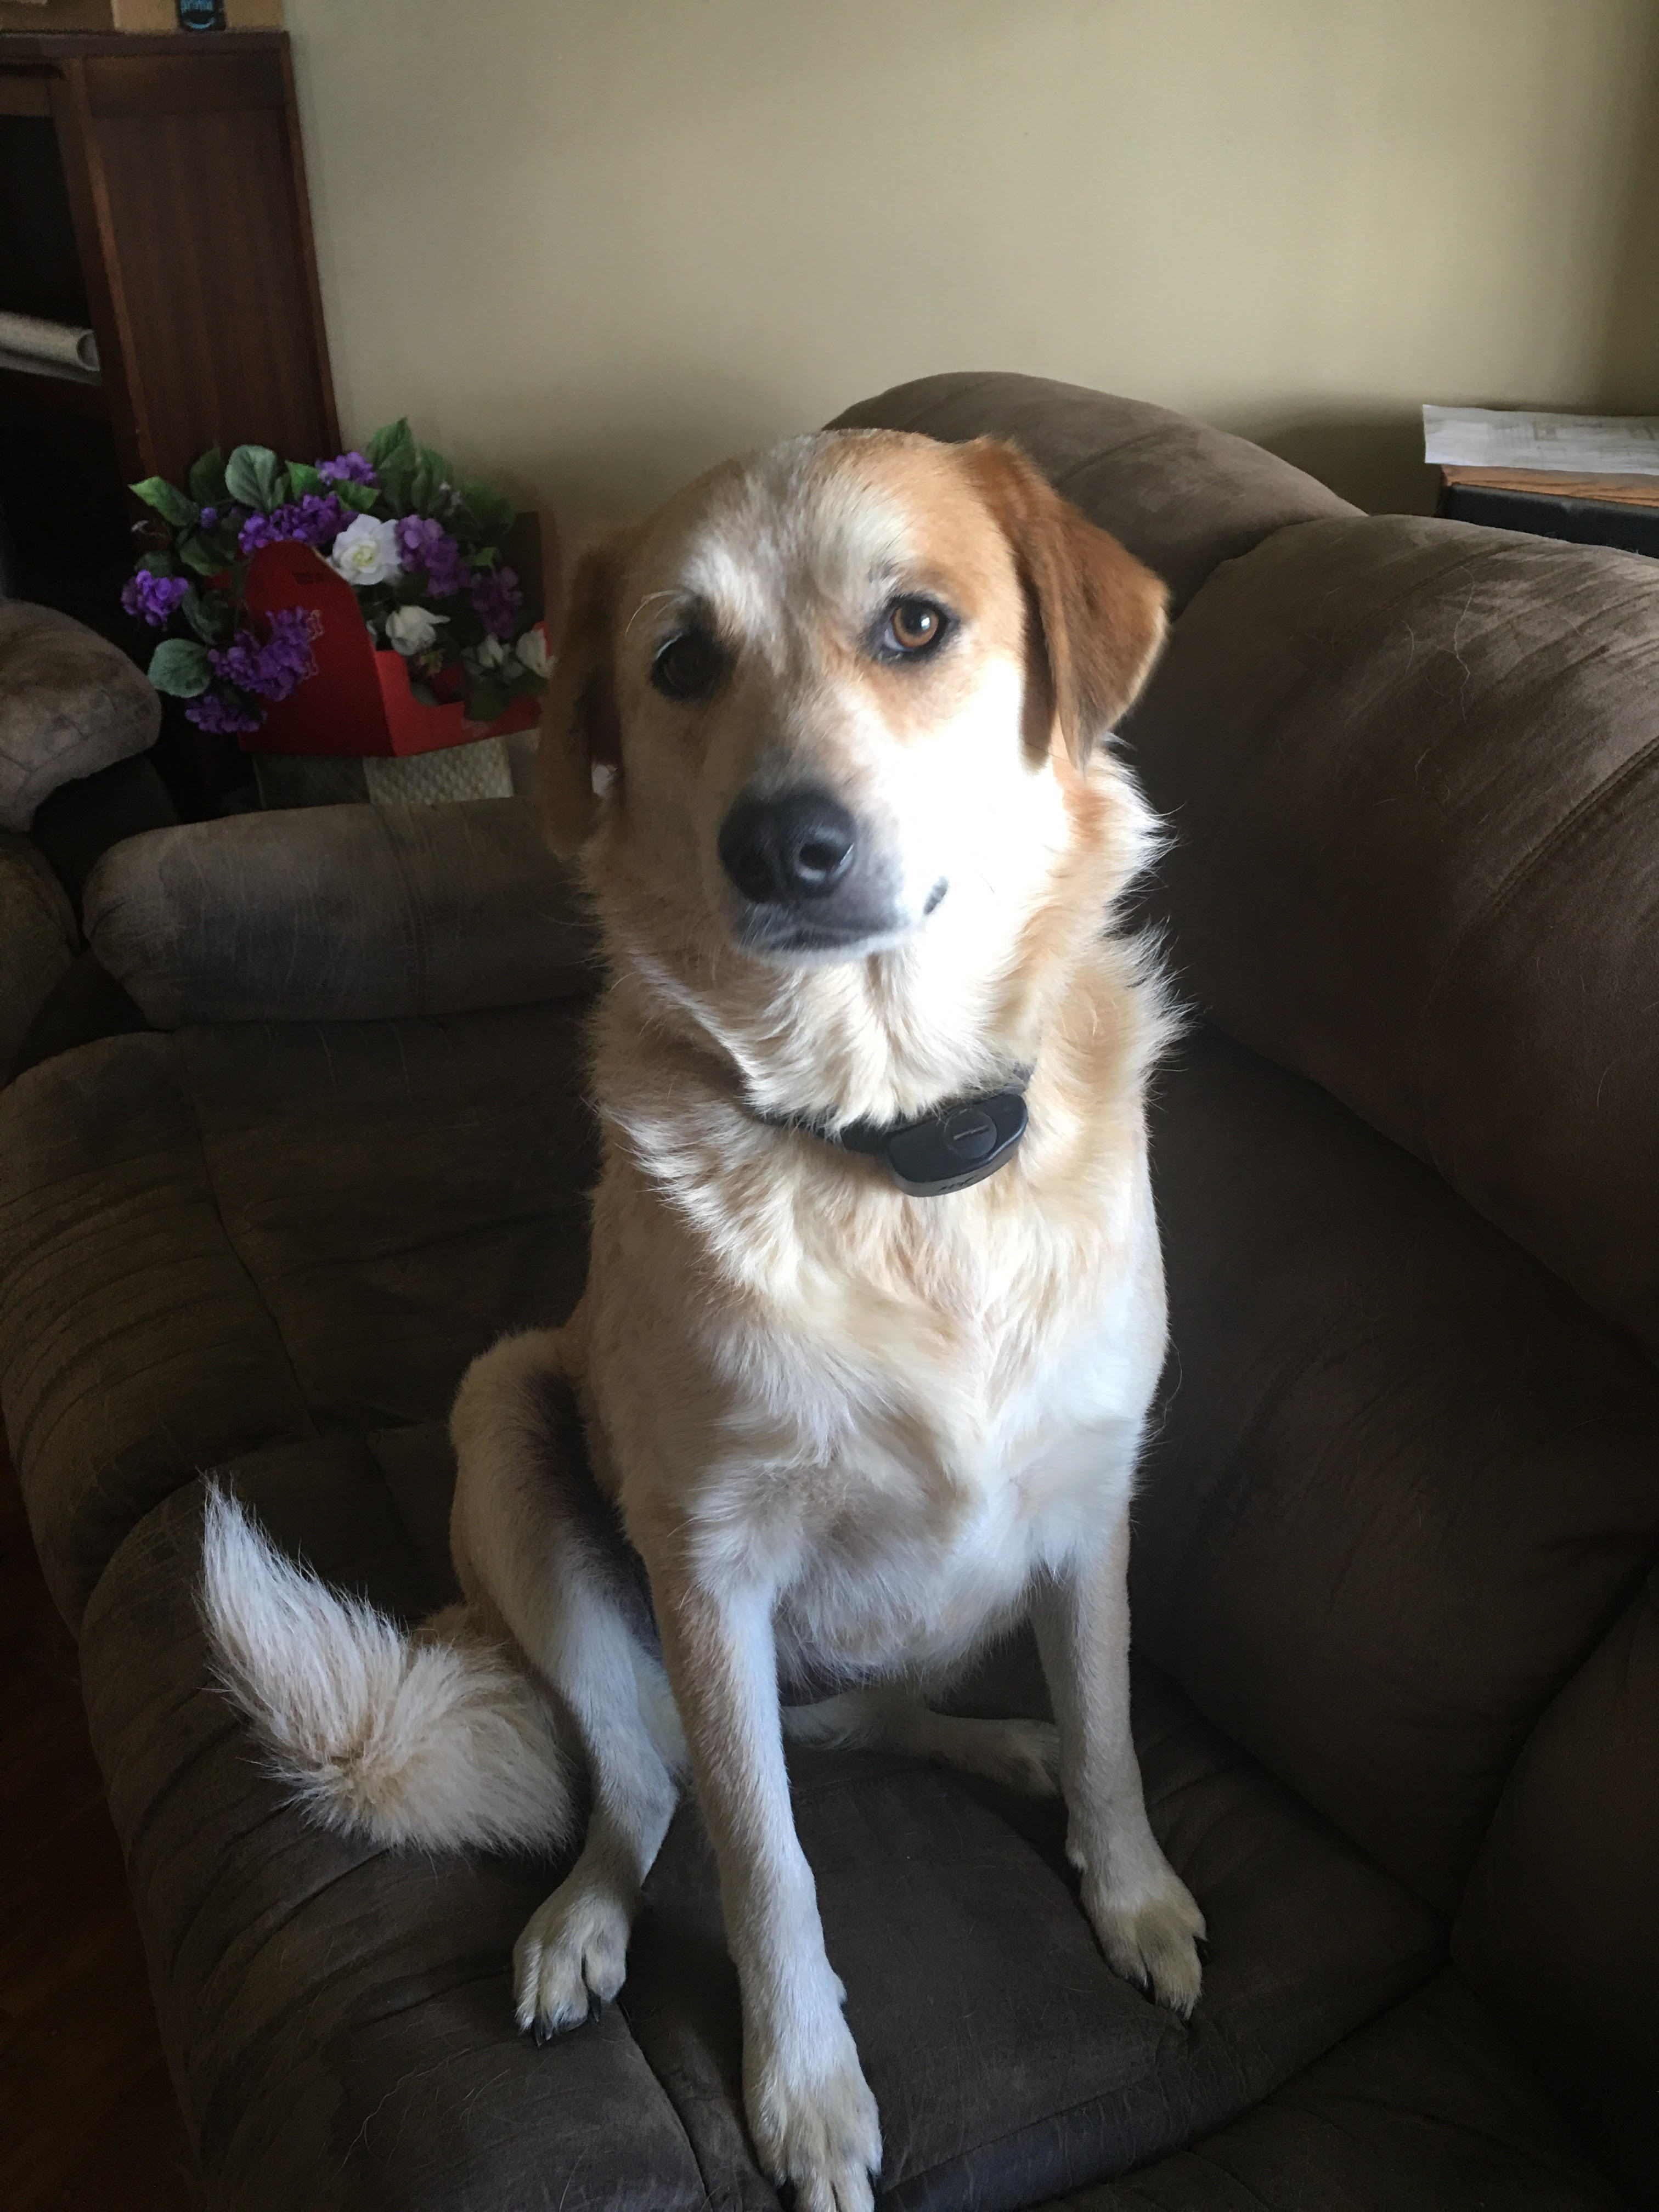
[33, 46]
[58, 389]
[184, 222]
[23, 93]
[153, 190]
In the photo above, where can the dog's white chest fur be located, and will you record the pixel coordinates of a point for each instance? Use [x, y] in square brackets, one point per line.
[909, 1417]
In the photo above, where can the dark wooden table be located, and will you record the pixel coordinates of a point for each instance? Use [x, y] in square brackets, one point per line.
[1586, 510]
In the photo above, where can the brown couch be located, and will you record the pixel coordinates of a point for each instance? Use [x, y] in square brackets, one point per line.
[1398, 1688]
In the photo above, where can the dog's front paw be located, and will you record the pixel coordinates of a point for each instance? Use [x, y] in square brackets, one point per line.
[1150, 1932]
[814, 2122]
[570, 1959]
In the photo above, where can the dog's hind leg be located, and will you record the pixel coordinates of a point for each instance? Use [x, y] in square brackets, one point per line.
[1020, 1754]
[532, 1529]
[571, 1956]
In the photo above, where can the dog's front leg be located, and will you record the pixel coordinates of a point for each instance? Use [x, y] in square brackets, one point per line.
[1148, 1924]
[811, 2113]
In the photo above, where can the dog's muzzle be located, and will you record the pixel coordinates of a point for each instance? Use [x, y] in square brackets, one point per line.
[809, 880]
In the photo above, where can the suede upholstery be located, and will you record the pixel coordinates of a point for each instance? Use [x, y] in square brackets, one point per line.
[290, 1229]
[359, 914]
[1407, 1481]
[70, 703]
[1409, 763]
[38, 941]
[1182, 497]
[367, 1964]
[1397, 1675]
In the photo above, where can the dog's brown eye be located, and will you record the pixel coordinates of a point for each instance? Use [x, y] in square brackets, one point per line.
[913, 626]
[687, 667]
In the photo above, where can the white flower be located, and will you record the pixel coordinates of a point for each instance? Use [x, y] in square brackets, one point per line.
[531, 649]
[410, 630]
[491, 655]
[366, 552]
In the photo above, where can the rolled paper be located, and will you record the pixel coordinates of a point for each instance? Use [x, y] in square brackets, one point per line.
[37, 339]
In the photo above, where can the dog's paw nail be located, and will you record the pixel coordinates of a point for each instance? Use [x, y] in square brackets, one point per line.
[594, 2007]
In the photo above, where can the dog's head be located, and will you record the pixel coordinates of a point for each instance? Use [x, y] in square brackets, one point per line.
[829, 697]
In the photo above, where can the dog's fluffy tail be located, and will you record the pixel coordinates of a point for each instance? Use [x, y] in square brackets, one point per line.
[439, 1737]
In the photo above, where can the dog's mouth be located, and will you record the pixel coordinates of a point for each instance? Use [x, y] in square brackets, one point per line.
[785, 933]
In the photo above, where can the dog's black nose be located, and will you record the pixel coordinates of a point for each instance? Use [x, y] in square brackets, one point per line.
[781, 851]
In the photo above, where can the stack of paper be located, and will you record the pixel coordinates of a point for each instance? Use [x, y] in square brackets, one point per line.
[1565, 445]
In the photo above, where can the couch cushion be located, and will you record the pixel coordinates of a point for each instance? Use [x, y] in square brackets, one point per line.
[1414, 772]
[70, 703]
[1430, 2109]
[1559, 1926]
[1182, 496]
[38, 941]
[234, 1234]
[340, 914]
[1403, 1480]
[340, 2019]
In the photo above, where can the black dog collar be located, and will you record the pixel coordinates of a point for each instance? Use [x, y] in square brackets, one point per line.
[948, 1150]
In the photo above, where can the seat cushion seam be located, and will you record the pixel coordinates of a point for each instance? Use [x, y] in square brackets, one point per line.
[231, 1246]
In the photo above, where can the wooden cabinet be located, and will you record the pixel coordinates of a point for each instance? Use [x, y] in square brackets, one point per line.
[153, 187]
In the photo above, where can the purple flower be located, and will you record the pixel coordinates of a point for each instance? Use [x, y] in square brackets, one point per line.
[428, 546]
[209, 519]
[155, 598]
[272, 668]
[350, 468]
[317, 520]
[224, 717]
[498, 601]
[261, 529]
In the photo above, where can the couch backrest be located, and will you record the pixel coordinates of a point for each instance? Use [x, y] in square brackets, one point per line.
[1412, 769]
[1182, 496]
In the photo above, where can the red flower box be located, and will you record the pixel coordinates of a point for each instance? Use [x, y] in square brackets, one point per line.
[357, 700]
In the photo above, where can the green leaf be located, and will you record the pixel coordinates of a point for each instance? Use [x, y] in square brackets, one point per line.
[254, 475]
[362, 499]
[422, 694]
[159, 564]
[196, 553]
[391, 438]
[396, 477]
[302, 479]
[487, 699]
[172, 506]
[492, 514]
[242, 478]
[210, 619]
[207, 478]
[180, 668]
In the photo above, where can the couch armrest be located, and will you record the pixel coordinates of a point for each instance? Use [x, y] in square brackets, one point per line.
[70, 703]
[340, 914]
[39, 941]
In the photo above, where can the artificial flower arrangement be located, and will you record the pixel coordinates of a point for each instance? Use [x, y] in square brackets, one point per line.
[422, 554]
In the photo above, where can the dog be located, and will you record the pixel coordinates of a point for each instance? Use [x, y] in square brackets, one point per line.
[875, 1310]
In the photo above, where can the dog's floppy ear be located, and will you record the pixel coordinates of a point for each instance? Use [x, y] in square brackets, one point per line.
[1100, 611]
[579, 727]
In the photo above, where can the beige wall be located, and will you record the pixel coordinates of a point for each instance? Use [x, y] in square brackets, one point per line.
[591, 245]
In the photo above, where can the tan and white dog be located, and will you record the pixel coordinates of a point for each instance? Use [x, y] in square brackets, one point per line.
[828, 733]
